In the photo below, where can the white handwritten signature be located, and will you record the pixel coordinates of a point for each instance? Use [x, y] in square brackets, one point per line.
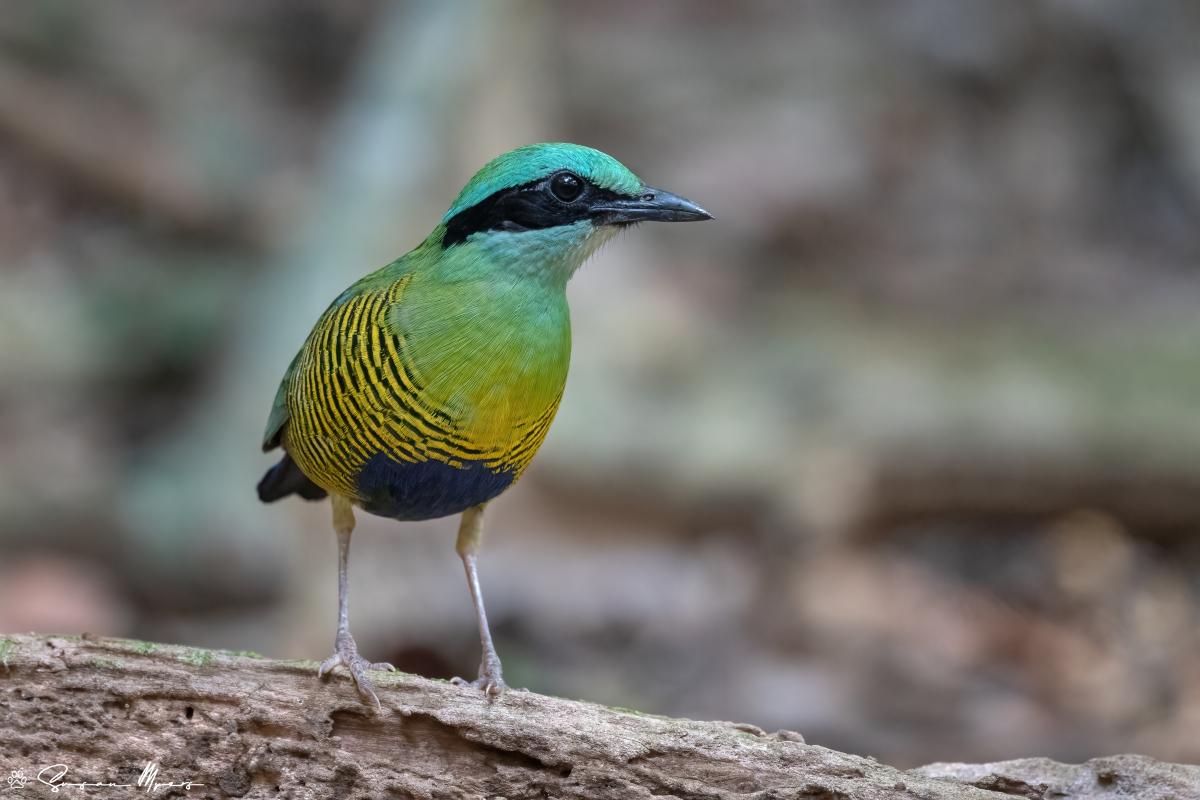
[55, 775]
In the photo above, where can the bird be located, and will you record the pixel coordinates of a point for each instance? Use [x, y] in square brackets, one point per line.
[425, 388]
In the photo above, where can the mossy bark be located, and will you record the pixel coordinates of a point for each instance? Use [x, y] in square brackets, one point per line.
[244, 726]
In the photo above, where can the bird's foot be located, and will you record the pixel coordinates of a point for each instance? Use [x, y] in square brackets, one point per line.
[345, 653]
[491, 686]
[490, 680]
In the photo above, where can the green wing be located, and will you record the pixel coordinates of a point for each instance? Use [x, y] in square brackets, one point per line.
[279, 412]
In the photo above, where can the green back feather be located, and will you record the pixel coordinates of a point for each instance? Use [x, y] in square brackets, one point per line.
[279, 412]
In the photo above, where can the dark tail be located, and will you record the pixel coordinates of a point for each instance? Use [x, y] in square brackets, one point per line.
[286, 478]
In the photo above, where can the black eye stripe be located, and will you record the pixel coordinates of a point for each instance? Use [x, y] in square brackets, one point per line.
[531, 206]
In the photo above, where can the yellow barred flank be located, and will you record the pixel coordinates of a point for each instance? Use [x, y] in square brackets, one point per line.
[357, 392]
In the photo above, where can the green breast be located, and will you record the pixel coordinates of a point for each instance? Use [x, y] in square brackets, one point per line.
[492, 357]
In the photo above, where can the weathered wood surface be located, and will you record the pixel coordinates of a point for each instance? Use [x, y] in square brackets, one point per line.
[249, 727]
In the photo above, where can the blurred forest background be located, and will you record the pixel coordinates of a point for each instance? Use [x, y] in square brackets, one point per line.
[901, 452]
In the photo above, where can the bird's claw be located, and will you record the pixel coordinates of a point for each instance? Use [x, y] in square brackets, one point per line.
[490, 680]
[493, 687]
[345, 654]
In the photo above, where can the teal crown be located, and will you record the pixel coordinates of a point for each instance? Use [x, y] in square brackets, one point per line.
[536, 161]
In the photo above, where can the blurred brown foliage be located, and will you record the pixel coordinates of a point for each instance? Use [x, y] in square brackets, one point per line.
[900, 453]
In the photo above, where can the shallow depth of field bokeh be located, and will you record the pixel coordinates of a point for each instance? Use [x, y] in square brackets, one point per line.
[902, 452]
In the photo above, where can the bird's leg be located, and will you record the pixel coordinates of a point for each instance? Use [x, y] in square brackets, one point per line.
[345, 651]
[470, 532]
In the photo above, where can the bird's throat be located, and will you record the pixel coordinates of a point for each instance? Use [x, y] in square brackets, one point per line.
[549, 255]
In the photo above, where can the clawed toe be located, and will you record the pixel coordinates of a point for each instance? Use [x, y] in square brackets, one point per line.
[489, 685]
[327, 665]
[346, 655]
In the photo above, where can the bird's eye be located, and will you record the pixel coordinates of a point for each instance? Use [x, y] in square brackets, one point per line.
[566, 187]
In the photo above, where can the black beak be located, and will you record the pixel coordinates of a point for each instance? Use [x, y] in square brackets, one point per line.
[652, 205]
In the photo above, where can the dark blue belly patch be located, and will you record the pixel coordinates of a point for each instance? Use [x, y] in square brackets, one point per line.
[426, 489]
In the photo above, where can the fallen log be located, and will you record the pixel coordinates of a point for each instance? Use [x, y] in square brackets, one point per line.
[187, 722]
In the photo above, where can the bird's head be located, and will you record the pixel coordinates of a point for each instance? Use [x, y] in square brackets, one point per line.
[544, 208]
